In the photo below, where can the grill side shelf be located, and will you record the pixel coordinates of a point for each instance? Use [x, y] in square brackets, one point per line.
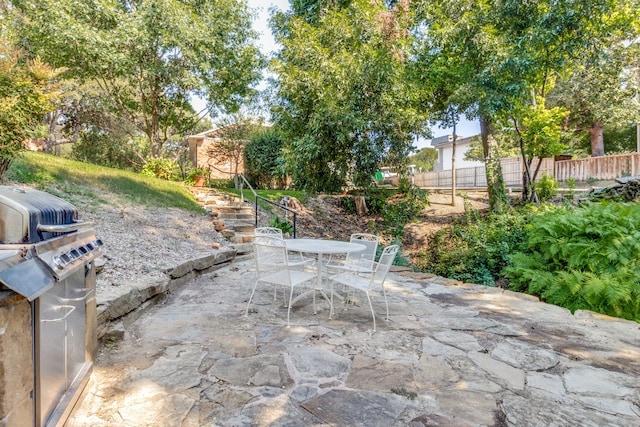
[30, 278]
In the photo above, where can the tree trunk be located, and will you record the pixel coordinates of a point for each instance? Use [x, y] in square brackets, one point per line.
[498, 200]
[361, 206]
[597, 140]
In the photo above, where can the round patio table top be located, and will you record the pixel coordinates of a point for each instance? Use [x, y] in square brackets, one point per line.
[323, 246]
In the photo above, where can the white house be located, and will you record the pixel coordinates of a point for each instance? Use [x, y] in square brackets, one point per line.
[444, 145]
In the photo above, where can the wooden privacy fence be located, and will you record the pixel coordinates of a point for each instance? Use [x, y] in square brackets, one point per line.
[606, 167]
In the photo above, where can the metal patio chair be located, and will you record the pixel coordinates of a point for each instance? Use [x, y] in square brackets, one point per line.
[361, 261]
[268, 231]
[370, 281]
[272, 266]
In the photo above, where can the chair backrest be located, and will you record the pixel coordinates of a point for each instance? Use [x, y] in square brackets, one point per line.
[367, 254]
[268, 231]
[384, 264]
[270, 253]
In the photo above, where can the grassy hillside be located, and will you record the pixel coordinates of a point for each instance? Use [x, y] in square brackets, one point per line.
[74, 181]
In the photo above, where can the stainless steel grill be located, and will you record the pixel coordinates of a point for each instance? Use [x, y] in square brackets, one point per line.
[47, 256]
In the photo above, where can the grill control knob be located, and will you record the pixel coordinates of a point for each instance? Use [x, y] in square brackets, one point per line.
[58, 262]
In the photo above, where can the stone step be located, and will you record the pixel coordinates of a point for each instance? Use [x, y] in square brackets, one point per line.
[237, 218]
[234, 209]
[242, 238]
[240, 226]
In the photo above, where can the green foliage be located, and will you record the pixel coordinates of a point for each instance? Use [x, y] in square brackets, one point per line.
[282, 224]
[402, 209]
[149, 56]
[477, 249]
[161, 168]
[196, 173]
[100, 148]
[546, 188]
[273, 195]
[345, 104]
[26, 94]
[425, 159]
[221, 183]
[348, 203]
[583, 258]
[62, 176]
[263, 159]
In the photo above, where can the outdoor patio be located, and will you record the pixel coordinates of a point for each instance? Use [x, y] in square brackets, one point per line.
[451, 355]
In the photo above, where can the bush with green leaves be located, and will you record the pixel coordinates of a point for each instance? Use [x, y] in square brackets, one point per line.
[282, 224]
[262, 159]
[546, 188]
[475, 249]
[161, 168]
[402, 209]
[583, 258]
[100, 148]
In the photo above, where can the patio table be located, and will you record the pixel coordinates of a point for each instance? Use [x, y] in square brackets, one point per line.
[321, 247]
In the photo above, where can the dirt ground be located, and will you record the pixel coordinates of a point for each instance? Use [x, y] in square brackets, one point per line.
[324, 217]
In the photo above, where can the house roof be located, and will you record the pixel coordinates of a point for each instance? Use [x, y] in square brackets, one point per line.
[447, 140]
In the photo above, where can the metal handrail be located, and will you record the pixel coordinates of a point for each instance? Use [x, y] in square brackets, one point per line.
[257, 197]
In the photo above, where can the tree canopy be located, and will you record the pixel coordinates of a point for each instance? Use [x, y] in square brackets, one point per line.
[27, 93]
[344, 102]
[149, 57]
[502, 56]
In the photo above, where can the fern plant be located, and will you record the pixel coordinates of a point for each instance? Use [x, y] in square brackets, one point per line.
[583, 258]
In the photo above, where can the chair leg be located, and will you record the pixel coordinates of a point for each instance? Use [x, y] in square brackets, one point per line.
[331, 298]
[246, 311]
[372, 312]
[386, 303]
[289, 309]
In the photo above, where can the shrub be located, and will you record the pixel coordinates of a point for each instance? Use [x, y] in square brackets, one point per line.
[475, 249]
[546, 188]
[282, 224]
[161, 168]
[400, 210]
[583, 258]
[262, 159]
[221, 183]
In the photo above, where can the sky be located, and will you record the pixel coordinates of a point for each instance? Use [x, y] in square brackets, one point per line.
[268, 45]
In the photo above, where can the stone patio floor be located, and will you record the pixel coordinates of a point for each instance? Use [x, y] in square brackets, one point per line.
[452, 354]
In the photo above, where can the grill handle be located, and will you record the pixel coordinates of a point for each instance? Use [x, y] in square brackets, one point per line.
[70, 309]
[64, 228]
[87, 292]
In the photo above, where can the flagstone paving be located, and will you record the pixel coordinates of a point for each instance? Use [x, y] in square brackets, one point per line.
[451, 355]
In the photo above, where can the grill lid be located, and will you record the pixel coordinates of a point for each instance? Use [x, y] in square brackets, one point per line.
[23, 210]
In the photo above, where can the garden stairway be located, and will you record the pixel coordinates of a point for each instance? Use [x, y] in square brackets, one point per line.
[234, 219]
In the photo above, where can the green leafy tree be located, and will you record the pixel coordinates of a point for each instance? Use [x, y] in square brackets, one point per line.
[149, 57]
[511, 52]
[27, 92]
[586, 40]
[601, 94]
[263, 159]
[538, 133]
[344, 101]
[230, 138]
[457, 62]
[425, 159]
